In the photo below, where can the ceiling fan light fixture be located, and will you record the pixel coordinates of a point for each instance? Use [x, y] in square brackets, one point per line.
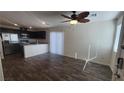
[73, 22]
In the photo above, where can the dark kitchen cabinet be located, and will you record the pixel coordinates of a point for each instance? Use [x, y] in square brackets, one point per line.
[11, 48]
[38, 35]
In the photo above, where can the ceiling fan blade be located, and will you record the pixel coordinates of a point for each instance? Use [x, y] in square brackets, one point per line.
[83, 15]
[66, 21]
[83, 20]
[66, 16]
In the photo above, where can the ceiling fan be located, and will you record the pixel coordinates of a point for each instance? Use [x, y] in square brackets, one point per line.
[75, 18]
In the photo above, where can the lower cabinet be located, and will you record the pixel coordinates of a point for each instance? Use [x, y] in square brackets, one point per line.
[11, 49]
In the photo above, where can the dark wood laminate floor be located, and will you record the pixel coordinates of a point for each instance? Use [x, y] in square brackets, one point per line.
[52, 67]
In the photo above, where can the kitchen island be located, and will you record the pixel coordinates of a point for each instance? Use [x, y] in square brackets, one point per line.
[34, 49]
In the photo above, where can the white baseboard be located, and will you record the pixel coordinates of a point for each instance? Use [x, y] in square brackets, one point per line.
[98, 62]
[94, 61]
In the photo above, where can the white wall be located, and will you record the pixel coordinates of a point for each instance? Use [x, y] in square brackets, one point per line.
[99, 34]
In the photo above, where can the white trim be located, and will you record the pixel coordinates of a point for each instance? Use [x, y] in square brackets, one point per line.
[1, 71]
[93, 61]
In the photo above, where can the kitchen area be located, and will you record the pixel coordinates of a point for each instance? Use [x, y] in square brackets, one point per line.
[24, 42]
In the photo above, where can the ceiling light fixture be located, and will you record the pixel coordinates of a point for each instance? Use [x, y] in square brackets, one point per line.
[73, 22]
[43, 23]
[30, 27]
[15, 24]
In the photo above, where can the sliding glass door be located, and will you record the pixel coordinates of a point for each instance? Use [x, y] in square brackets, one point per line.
[57, 42]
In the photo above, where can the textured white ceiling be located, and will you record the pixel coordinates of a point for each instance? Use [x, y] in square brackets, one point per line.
[51, 18]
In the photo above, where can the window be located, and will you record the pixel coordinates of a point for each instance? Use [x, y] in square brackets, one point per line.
[117, 38]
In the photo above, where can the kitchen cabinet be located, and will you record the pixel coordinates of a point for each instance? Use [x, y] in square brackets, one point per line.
[11, 48]
[6, 36]
[14, 37]
[11, 37]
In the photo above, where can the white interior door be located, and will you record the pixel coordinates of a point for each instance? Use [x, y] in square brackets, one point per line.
[57, 42]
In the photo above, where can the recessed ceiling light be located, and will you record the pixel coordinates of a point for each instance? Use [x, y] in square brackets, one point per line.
[43, 23]
[30, 27]
[15, 24]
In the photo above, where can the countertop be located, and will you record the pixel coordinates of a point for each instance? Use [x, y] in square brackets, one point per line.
[25, 44]
[32, 44]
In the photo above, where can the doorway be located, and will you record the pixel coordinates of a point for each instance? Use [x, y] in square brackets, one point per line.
[57, 43]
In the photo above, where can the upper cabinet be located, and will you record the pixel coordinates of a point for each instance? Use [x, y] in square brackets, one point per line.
[14, 34]
[14, 37]
[6, 36]
[38, 35]
[10, 37]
